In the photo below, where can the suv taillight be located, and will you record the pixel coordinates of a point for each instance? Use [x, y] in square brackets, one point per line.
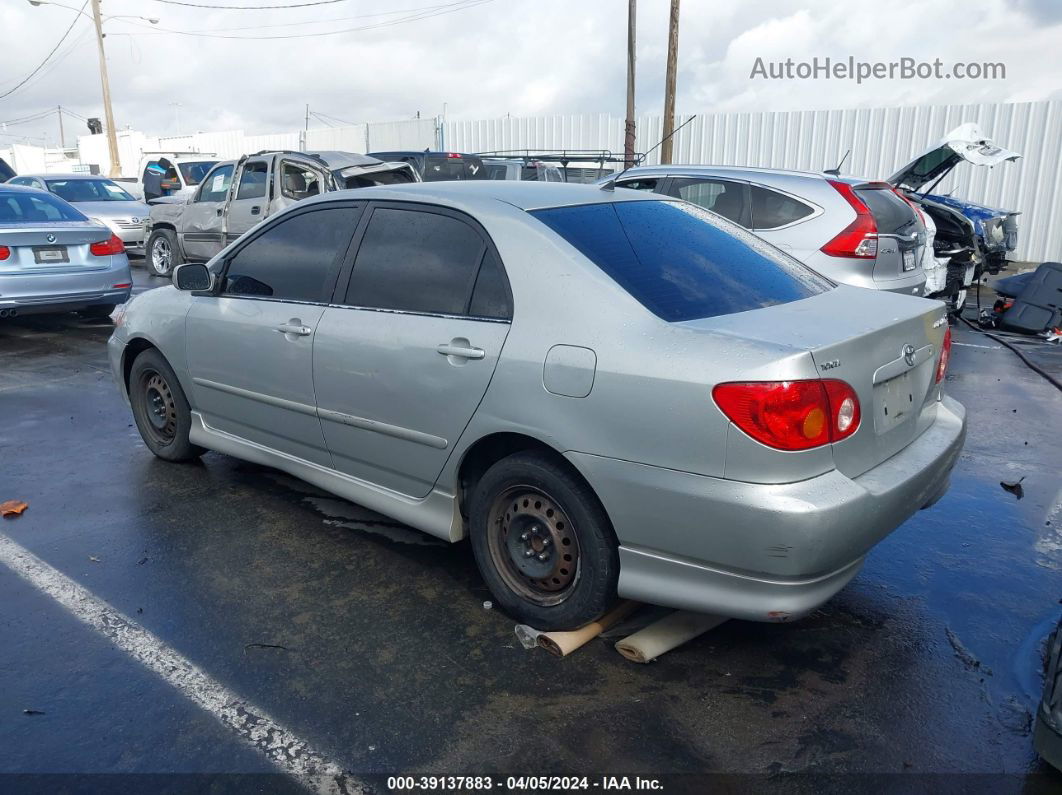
[5, 252]
[791, 415]
[106, 248]
[860, 238]
[945, 355]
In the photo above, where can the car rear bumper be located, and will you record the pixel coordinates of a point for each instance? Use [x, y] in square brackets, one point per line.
[764, 552]
[34, 293]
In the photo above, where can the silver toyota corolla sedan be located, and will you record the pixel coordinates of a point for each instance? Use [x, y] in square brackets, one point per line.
[854, 231]
[609, 392]
[99, 198]
[54, 259]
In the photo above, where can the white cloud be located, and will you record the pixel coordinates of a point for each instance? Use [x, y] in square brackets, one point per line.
[522, 57]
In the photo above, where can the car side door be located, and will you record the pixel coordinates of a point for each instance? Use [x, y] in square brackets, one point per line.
[726, 197]
[249, 344]
[199, 231]
[250, 201]
[404, 356]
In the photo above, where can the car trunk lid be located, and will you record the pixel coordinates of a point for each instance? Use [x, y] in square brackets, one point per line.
[36, 248]
[966, 142]
[901, 234]
[885, 346]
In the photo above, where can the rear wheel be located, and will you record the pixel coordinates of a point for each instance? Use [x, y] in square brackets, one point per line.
[162, 252]
[160, 408]
[543, 542]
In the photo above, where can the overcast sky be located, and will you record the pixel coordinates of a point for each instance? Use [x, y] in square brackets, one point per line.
[489, 58]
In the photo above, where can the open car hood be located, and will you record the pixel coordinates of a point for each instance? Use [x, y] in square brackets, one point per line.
[966, 142]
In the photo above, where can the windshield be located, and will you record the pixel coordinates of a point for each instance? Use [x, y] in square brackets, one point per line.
[680, 261]
[88, 190]
[193, 173]
[34, 207]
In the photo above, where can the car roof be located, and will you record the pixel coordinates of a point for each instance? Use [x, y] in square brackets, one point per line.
[472, 194]
[67, 176]
[20, 188]
[674, 170]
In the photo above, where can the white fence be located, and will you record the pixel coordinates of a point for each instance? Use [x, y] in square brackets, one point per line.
[879, 139]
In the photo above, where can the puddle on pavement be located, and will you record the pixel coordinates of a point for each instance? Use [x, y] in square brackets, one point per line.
[344, 514]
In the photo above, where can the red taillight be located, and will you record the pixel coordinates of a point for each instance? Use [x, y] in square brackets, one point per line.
[453, 154]
[121, 285]
[106, 248]
[5, 252]
[859, 238]
[945, 354]
[791, 415]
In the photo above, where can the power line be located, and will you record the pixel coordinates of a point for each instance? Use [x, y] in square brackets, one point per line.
[251, 8]
[329, 20]
[448, 8]
[49, 55]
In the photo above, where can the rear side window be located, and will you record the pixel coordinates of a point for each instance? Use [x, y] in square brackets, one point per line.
[253, 181]
[296, 259]
[891, 213]
[771, 209]
[491, 297]
[415, 261]
[680, 262]
[35, 208]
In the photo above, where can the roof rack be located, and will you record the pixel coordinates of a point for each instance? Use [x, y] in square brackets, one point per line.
[564, 156]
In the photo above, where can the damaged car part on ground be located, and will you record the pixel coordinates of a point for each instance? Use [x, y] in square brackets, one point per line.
[579, 438]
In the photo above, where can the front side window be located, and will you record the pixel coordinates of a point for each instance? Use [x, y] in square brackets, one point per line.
[253, 180]
[415, 261]
[721, 196]
[648, 184]
[680, 262]
[296, 259]
[216, 186]
[771, 209]
[298, 182]
[193, 173]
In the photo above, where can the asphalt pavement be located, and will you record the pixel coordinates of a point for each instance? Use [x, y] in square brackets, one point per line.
[371, 642]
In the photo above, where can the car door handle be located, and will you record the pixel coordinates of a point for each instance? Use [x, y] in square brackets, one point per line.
[294, 327]
[461, 351]
[256, 210]
[218, 211]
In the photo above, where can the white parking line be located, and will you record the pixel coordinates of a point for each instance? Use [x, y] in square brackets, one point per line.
[250, 724]
[986, 347]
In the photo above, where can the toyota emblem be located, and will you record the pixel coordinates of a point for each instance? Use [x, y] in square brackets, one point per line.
[909, 354]
[50, 238]
[136, 220]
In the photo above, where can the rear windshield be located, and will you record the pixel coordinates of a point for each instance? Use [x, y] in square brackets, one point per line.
[88, 190]
[35, 207]
[193, 173]
[681, 262]
[443, 167]
[891, 213]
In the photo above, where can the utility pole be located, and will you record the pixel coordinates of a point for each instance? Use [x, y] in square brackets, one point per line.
[307, 127]
[62, 138]
[669, 83]
[628, 128]
[112, 134]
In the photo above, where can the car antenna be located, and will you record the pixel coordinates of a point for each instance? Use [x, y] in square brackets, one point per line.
[836, 171]
[611, 184]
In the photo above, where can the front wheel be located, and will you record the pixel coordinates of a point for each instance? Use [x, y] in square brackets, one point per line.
[162, 252]
[543, 542]
[160, 409]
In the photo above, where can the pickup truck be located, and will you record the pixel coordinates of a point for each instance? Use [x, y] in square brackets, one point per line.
[236, 194]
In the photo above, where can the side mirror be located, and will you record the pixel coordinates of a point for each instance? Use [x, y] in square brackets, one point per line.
[193, 276]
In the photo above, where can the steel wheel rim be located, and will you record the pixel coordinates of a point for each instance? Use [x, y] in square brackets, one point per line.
[161, 255]
[160, 409]
[533, 545]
